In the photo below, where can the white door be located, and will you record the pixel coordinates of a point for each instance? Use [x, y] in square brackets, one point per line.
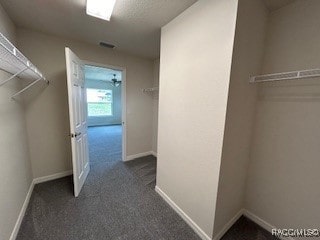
[78, 120]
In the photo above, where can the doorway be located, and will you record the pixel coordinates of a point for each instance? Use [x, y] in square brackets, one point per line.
[105, 89]
[78, 112]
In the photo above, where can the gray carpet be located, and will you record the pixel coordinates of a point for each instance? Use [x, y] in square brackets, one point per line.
[118, 202]
[105, 144]
[245, 229]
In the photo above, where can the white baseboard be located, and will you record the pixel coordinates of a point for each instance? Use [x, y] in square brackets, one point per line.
[131, 157]
[228, 225]
[183, 215]
[262, 223]
[16, 228]
[155, 154]
[28, 196]
[52, 177]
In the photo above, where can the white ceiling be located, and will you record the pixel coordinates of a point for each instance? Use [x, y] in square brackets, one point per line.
[134, 27]
[101, 74]
[276, 4]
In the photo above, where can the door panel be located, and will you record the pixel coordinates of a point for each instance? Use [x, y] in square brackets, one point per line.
[78, 120]
[85, 148]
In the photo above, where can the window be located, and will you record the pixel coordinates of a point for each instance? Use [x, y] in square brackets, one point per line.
[99, 102]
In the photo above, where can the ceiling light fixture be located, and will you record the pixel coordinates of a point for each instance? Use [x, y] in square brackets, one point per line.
[100, 8]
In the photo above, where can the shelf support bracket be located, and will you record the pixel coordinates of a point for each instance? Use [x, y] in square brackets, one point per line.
[13, 76]
[27, 87]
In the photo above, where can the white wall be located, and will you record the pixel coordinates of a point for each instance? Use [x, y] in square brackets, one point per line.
[15, 171]
[48, 135]
[156, 68]
[116, 104]
[247, 60]
[195, 64]
[283, 181]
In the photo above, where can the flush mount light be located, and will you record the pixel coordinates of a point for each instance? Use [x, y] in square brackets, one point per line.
[100, 8]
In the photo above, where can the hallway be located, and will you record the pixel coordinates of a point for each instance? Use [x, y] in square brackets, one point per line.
[117, 201]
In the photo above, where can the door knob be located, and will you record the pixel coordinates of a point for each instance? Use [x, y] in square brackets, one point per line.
[74, 135]
[77, 134]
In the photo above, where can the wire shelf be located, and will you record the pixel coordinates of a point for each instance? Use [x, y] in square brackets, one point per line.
[286, 76]
[153, 89]
[14, 62]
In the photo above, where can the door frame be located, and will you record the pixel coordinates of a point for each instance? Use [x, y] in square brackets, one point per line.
[123, 101]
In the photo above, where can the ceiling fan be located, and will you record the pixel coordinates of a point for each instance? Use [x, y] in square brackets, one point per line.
[115, 81]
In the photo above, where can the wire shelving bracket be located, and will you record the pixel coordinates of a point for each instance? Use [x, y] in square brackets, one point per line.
[14, 62]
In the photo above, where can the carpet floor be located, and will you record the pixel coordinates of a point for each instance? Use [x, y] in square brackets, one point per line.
[105, 144]
[117, 201]
[245, 229]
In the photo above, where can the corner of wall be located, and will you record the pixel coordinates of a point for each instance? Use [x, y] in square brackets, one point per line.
[156, 70]
[247, 60]
[16, 173]
[286, 116]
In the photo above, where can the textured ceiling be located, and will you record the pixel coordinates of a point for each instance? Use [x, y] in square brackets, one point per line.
[134, 27]
[101, 74]
[276, 4]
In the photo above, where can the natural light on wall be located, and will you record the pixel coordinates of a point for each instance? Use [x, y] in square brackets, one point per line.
[100, 8]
